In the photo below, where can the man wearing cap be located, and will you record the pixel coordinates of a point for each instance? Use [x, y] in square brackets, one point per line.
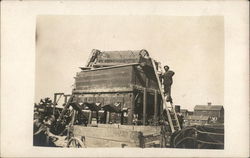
[167, 78]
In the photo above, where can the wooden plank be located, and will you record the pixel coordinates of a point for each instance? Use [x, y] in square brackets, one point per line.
[105, 79]
[146, 129]
[93, 142]
[111, 134]
[102, 74]
[111, 67]
[102, 90]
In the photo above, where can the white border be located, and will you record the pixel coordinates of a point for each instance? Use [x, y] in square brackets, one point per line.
[18, 21]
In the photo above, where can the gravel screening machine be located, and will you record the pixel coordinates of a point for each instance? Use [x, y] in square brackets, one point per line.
[118, 101]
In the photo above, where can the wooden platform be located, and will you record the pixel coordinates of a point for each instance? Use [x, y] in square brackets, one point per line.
[105, 135]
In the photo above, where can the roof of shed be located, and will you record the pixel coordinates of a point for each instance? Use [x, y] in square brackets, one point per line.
[110, 58]
[208, 108]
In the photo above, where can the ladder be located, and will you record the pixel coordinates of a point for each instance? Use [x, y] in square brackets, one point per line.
[171, 114]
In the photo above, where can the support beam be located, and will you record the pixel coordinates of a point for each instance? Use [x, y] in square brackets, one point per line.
[107, 117]
[56, 100]
[54, 105]
[90, 117]
[97, 117]
[156, 106]
[131, 110]
[73, 117]
[66, 96]
[65, 99]
[144, 106]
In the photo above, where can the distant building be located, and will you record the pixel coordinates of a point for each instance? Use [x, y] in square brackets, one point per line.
[215, 112]
[177, 108]
[184, 112]
[196, 120]
[190, 113]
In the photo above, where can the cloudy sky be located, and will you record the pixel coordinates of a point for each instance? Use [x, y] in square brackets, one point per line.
[193, 47]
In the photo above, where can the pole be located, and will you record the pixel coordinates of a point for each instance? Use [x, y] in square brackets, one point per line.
[155, 106]
[90, 117]
[144, 106]
[54, 105]
[131, 110]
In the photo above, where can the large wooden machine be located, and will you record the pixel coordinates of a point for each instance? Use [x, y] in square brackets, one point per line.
[120, 82]
[118, 101]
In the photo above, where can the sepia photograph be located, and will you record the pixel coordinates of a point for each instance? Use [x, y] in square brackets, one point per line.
[124, 78]
[129, 81]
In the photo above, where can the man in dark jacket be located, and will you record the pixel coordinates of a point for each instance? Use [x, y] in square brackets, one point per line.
[167, 78]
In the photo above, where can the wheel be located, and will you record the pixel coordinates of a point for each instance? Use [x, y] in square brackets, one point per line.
[76, 143]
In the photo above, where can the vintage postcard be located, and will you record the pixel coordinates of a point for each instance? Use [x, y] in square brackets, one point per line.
[135, 78]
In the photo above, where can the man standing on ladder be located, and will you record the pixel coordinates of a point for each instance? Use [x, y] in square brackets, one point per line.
[167, 78]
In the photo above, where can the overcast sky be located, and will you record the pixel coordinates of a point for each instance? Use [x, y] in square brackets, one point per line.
[193, 47]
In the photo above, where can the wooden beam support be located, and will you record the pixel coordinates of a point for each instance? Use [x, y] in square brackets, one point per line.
[156, 106]
[144, 106]
[107, 117]
[65, 99]
[73, 117]
[54, 105]
[131, 110]
[66, 96]
[90, 117]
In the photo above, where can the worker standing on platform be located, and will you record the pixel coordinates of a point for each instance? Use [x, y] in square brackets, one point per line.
[167, 78]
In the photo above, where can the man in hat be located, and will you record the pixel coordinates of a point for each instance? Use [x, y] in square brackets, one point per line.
[167, 78]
